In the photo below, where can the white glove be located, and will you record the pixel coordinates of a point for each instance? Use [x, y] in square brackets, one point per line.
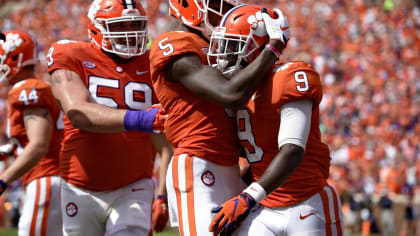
[7, 150]
[276, 28]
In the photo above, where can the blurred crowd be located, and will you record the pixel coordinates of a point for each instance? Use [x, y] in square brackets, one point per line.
[368, 55]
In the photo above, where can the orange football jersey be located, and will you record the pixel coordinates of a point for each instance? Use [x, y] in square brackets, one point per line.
[194, 125]
[258, 129]
[32, 93]
[102, 162]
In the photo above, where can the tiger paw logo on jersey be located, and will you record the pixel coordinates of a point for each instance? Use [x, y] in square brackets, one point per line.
[208, 178]
[71, 209]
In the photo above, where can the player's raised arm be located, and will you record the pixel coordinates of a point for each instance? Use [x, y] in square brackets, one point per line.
[211, 84]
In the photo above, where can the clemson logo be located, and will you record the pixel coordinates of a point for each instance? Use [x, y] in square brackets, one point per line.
[257, 23]
[12, 42]
[208, 178]
[71, 209]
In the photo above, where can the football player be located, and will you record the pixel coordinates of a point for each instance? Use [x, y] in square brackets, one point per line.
[204, 171]
[279, 130]
[35, 127]
[106, 172]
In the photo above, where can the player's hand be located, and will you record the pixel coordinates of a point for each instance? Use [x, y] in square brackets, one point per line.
[7, 150]
[160, 213]
[277, 29]
[160, 118]
[231, 214]
[3, 186]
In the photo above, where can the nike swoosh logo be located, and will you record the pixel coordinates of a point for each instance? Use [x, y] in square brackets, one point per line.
[141, 72]
[234, 207]
[254, 97]
[136, 189]
[302, 217]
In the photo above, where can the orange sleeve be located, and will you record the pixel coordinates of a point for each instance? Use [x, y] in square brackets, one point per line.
[31, 93]
[64, 55]
[26, 94]
[300, 81]
[173, 44]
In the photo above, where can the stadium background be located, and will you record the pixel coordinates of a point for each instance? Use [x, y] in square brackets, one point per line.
[368, 55]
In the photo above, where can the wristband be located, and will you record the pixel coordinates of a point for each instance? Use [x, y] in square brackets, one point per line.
[256, 191]
[274, 50]
[141, 120]
[161, 197]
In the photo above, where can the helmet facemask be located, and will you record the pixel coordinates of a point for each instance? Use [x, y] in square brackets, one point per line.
[230, 51]
[4, 69]
[214, 11]
[201, 15]
[125, 36]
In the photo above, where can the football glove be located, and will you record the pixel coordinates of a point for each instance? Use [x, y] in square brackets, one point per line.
[277, 29]
[7, 150]
[160, 213]
[231, 214]
[3, 186]
[160, 118]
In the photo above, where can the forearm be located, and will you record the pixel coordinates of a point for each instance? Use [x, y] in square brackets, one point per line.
[29, 158]
[282, 167]
[247, 80]
[165, 152]
[164, 163]
[96, 118]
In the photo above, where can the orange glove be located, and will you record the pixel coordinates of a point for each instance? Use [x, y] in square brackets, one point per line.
[231, 214]
[160, 118]
[160, 213]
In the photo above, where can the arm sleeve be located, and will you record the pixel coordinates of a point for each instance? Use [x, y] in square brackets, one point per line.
[295, 123]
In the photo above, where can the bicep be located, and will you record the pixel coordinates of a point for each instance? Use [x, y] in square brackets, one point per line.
[38, 124]
[69, 89]
[295, 123]
[202, 80]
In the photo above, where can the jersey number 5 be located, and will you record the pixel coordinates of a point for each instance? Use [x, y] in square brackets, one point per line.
[246, 136]
[167, 48]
